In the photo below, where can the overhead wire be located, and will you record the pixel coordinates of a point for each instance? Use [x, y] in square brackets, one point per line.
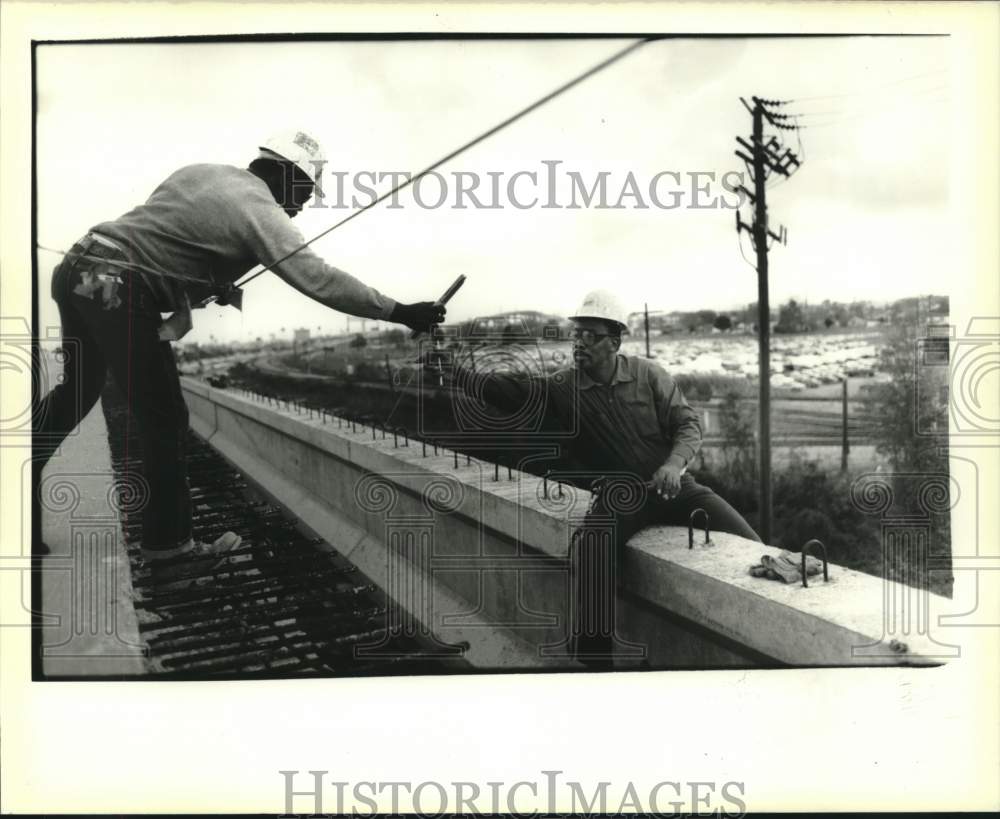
[851, 116]
[870, 108]
[614, 58]
[485, 135]
[874, 104]
[868, 91]
[841, 115]
[739, 241]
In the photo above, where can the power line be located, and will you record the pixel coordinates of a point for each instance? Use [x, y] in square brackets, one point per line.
[917, 96]
[848, 115]
[448, 157]
[871, 90]
[739, 241]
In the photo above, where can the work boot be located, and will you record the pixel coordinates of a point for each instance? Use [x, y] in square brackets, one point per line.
[178, 569]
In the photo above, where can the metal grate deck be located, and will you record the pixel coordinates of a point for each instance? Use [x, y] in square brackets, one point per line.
[277, 607]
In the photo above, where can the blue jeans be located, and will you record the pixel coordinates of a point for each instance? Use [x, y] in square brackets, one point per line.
[598, 545]
[112, 325]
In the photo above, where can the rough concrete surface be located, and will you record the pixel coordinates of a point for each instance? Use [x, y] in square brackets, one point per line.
[89, 622]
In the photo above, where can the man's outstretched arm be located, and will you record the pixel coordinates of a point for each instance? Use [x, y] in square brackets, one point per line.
[271, 236]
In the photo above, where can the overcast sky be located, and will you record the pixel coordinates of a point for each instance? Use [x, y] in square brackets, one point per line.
[865, 213]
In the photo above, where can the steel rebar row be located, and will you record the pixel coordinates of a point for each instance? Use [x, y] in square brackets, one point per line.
[275, 605]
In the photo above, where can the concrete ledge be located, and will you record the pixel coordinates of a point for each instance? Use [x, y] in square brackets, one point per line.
[841, 622]
[515, 507]
[89, 625]
[494, 553]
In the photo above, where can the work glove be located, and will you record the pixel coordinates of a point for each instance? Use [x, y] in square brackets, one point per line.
[229, 294]
[786, 567]
[418, 316]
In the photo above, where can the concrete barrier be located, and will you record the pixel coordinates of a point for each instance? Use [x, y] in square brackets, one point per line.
[475, 556]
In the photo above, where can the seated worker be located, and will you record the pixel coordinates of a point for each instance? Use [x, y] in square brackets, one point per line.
[635, 430]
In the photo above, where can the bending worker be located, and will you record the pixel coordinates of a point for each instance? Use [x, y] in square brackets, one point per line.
[636, 435]
[201, 229]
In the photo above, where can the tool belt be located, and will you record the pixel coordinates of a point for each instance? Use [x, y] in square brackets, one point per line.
[95, 247]
[102, 275]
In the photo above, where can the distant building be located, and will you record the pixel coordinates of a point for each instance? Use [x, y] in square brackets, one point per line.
[516, 324]
[301, 335]
[659, 322]
[501, 320]
[670, 321]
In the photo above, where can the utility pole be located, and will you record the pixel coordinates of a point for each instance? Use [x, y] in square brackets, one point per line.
[845, 444]
[388, 375]
[645, 318]
[762, 160]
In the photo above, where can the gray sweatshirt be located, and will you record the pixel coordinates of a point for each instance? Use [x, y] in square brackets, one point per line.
[214, 223]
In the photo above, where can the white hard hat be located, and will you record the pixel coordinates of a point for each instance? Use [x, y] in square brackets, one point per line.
[299, 148]
[604, 305]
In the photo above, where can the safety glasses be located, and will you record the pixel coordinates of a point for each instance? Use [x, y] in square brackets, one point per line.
[589, 337]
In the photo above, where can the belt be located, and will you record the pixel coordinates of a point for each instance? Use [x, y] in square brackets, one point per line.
[105, 241]
[95, 246]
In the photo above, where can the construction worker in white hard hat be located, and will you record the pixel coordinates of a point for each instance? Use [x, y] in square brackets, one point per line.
[298, 148]
[200, 230]
[635, 437]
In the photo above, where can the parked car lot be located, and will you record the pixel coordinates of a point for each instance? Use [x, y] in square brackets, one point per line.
[798, 362]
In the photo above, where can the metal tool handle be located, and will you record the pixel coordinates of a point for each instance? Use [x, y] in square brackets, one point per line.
[445, 298]
[451, 291]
